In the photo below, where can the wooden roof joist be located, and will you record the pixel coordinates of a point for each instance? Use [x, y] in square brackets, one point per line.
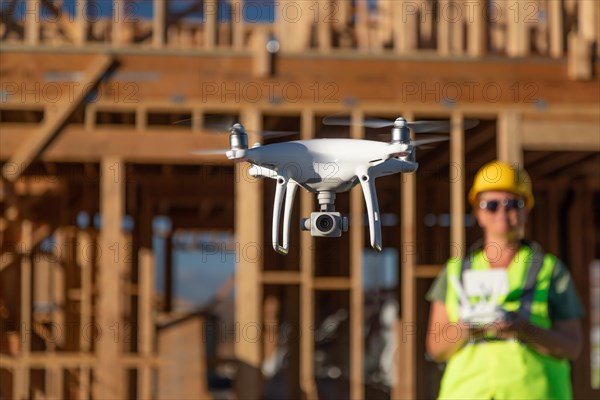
[28, 150]
[566, 165]
[575, 134]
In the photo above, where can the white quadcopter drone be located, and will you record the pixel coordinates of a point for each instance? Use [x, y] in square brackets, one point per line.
[330, 166]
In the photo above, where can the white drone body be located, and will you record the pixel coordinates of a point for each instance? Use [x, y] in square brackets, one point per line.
[326, 167]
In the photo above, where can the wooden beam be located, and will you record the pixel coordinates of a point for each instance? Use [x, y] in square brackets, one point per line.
[261, 57]
[443, 29]
[146, 320]
[385, 22]
[586, 168]
[54, 382]
[69, 26]
[118, 22]
[324, 23]
[281, 278]
[238, 24]
[406, 387]
[357, 240]
[477, 30]
[332, 283]
[580, 134]
[555, 163]
[556, 28]
[509, 147]
[84, 261]
[307, 263]
[249, 233]
[81, 22]
[355, 76]
[405, 28]
[159, 21]
[77, 144]
[428, 271]
[22, 371]
[108, 378]
[457, 186]
[457, 36]
[588, 14]
[32, 25]
[580, 66]
[54, 120]
[516, 27]
[361, 24]
[39, 360]
[210, 24]
[168, 273]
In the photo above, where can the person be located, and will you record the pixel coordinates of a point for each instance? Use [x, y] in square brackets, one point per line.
[523, 351]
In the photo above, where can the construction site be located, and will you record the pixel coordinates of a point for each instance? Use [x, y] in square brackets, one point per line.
[132, 268]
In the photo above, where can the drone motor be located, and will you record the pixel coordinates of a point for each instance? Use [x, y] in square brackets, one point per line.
[238, 139]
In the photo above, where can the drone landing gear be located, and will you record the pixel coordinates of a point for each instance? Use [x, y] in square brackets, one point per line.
[367, 184]
[288, 188]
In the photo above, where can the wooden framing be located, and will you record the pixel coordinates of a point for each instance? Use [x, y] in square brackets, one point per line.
[159, 23]
[357, 241]
[457, 187]
[405, 33]
[555, 13]
[247, 278]
[509, 146]
[516, 25]
[108, 376]
[172, 83]
[512, 20]
[21, 373]
[406, 387]
[307, 297]
[147, 337]
[508, 124]
[85, 241]
[41, 138]
[477, 33]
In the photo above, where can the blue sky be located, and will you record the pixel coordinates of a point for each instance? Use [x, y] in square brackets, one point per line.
[254, 10]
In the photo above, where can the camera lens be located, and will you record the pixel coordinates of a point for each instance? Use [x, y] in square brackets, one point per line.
[325, 223]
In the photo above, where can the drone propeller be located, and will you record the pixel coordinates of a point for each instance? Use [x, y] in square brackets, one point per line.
[210, 152]
[417, 126]
[432, 139]
[222, 124]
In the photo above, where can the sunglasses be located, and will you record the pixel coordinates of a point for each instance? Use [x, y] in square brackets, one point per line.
[509, 204]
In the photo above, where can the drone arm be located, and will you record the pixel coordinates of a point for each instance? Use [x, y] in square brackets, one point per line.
[258, 171]
[283, 185]
[367, 183]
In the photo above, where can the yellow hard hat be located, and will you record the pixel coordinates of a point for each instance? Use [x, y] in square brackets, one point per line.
[498, 175]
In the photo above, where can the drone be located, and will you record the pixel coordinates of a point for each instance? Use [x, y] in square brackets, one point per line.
[330, 166]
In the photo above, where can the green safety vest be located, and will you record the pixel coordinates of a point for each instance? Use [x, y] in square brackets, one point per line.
[507, 369]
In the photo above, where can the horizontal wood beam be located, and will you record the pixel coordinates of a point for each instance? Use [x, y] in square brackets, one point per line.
[53, 121]
[75, 144]
[71, 360]
[332, 283]
[426, 271]
[281, 277]
[224, 80]
[577, 134]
